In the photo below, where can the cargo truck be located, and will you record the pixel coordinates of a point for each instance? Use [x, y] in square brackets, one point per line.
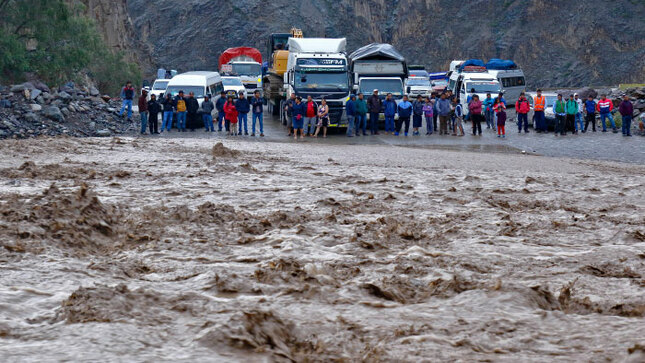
[246, 63]
[317, 67]
[378, 66]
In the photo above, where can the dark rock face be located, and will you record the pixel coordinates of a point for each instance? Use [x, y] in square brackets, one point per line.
[556, 43]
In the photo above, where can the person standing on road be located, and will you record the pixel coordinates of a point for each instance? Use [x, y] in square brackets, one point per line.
[257, 106]
[435, 114]
[590, 114]
[428, 112]
[243, 108]
[299, 112]
[207, 116]
[221, 115]
[350, 110]
[389, 112]
[417, 115]
[323, 118]
[361, 115]
[571, 110]
[443, 109]
[604, 107]
[374, 105]
[488, 111]
[500, 111]
[154, 109]
[192, 107]
[310, 122]
[288, 108]
[180, 105]
[475, 111]
[168, 112]
[539, 106]
[458, 128]
[127, 93]
[405, 111]
[626, 109]
[559, 109]
[578, 121]
[143, 110]
[231, 116]
[522, 107]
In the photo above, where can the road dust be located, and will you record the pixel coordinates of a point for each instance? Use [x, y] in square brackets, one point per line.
[193, 250]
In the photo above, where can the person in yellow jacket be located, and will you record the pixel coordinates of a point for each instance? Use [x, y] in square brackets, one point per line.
[539, 104]
[180, 107]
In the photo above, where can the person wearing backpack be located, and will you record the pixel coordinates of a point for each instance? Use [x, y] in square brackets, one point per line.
[571, 107]
[559, 109]
[180, 106]
[522, 107]
[590, 114]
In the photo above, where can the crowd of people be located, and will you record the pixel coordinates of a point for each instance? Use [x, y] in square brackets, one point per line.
[443, 114]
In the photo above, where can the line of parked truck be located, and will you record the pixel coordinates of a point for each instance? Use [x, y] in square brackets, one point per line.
[321, 68]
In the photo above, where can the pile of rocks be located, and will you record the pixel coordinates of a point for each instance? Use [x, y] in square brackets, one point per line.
[637, 96]
[32, 109]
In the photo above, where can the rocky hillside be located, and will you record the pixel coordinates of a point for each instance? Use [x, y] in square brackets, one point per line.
[557, 43]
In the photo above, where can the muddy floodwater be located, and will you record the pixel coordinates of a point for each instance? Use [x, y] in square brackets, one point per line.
[188, 250]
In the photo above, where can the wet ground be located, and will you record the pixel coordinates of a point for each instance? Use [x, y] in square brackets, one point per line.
[181, 249]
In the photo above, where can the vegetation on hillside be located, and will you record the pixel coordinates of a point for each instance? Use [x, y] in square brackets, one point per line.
[55, 42]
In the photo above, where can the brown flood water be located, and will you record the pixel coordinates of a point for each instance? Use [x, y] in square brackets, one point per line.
[183, 250]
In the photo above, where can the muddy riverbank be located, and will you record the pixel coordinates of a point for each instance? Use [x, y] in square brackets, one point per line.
[181, 249]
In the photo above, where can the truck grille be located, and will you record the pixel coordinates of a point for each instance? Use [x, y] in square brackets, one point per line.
[250, 85]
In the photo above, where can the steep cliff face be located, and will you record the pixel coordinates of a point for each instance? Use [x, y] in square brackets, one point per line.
[556, 43]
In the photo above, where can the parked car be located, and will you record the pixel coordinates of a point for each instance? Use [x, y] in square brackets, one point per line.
[549, 115]
[233, 86]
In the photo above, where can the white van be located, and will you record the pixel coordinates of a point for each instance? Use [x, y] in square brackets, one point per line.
[512, 81]
[233, 86]
[463, 82]
[200, 83]
[158, 88]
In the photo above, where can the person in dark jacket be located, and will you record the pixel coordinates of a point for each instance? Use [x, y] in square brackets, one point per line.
[219, 105]
[361, 115]
[417, 115]
[590, 114]
[192, 107]
[299, 110]
[127, 93]
[154, 109]
[350, 110]
[626, 110]
[374, 105]
[243, 107]
[168, 108]
[207, 115]
[143, 110]
[288, 109]
[257, 106]
[405, 111]
[389, 111]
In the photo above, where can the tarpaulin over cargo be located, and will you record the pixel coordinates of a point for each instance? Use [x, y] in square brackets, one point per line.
[438, 75]
[378, 51]
[472, 62]
[246, 54]
[500, 64]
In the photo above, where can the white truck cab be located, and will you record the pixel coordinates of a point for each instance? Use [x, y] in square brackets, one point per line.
[462, 84]
[250, 73]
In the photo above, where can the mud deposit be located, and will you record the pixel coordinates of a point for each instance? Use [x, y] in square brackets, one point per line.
[184, 250]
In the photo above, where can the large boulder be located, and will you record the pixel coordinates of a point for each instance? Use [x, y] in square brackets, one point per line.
[586, 92]
[54, 113]
[94, 92]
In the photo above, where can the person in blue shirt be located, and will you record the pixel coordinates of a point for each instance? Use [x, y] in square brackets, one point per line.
[350, 110]
[243, 107]
[405, 111]
[219, 105]
[590, 114]
[299, 111]
[488, 111]
[389, 110]
[257, 106]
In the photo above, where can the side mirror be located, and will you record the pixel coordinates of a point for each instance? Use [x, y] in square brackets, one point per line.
[408, 89]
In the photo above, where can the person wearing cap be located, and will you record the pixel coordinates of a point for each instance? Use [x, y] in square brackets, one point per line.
[539, 104]
[257, 104]
[192, 107]
[522, 107]
[221, 115]
[604, 107]
[578, 121]
[374, 105]
[590, 114]
[207, 116]
[626, 109]
[559, 109]
[350, 111]
[180, 106]
[143, 110]
[243, 108]
[571, 109]
[361, 115]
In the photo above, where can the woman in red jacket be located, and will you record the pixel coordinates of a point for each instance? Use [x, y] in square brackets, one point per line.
[475, 112]
[230, 113]
[522, 107]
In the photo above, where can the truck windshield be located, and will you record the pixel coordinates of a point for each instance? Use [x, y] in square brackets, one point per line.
[232, 82]
[483, 87]
[322, 81]
[198, 90]
[247, 69]
[384, 86]
[418, 82]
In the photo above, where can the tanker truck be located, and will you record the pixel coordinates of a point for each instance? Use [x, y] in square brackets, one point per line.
[246, 63]
[317, 67]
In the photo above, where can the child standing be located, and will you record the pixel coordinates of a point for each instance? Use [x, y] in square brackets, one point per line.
[500, 111]
[458, 128]
[428, 111]
[231, 115]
